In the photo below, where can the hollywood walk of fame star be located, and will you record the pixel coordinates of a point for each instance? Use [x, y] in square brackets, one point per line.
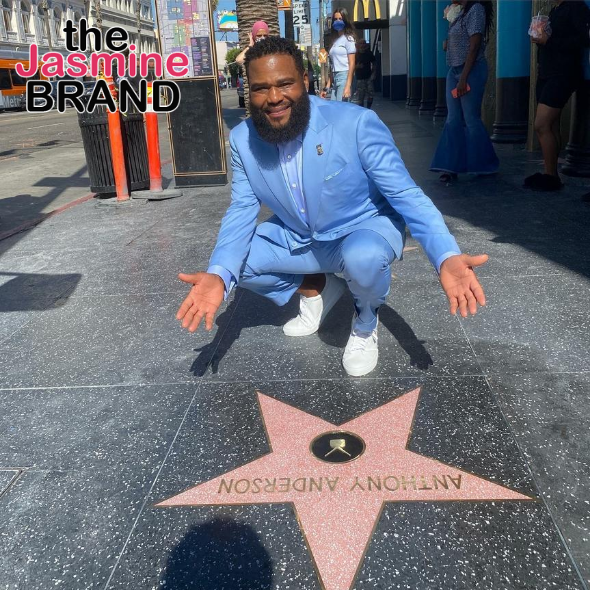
[338, 504]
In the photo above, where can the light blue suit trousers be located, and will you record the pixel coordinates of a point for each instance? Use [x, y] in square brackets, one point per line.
[363, 257]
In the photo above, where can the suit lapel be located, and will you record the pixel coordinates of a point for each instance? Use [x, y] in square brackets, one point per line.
[316, 154]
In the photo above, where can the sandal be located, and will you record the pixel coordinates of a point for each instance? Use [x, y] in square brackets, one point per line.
[546, 183]
[529, 181]
[447, 177]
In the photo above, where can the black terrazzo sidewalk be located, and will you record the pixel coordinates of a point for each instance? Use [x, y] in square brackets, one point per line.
[107, 406]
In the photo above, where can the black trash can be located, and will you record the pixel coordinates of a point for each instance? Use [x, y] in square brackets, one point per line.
[97, 148]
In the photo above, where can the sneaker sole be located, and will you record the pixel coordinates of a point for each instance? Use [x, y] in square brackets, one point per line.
[325, 312]
[364, 372]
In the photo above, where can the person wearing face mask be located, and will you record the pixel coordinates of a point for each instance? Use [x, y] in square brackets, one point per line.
[259, 32]
[342, 57]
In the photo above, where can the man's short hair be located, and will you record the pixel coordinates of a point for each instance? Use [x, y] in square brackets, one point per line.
[274, 46]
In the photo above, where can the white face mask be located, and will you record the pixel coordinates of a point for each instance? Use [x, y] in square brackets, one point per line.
[452, 12]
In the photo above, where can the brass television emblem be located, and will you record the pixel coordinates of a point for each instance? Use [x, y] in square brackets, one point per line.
[338, 444]
[337, 447]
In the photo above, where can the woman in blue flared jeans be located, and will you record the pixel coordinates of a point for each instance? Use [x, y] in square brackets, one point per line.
[465, 146]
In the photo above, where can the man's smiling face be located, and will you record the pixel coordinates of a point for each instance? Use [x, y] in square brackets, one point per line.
[278, 97]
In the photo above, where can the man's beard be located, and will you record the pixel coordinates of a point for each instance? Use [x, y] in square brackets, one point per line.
[297, 124]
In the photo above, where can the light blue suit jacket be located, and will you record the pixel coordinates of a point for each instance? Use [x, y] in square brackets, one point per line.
[353, 178]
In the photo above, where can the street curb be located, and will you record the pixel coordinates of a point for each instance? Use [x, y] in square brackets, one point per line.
[30, 224]
[33, 222]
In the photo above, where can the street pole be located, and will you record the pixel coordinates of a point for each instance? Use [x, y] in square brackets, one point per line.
[323, 65]
[138, 17]
[310, 69]
[289, 29]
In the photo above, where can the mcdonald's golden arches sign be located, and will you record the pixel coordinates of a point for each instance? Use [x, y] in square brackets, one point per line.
[362, 11]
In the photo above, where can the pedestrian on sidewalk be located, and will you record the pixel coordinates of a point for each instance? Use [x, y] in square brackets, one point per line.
[258, 33]
[342, 57]
[343, 212]
[560, 71]
[365, 73]
[465, 146]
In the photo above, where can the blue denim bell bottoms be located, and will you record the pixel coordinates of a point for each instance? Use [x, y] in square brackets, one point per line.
[465, 146]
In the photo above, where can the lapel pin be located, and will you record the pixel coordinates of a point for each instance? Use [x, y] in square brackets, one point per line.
[319, 149]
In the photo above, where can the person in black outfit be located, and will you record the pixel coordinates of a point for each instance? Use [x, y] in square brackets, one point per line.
[560, 62]
[365, 73]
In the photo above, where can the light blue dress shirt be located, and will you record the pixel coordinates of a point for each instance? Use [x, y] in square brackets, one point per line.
[291, 161]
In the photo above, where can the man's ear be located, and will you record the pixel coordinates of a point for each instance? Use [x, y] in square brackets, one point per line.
[306, 81]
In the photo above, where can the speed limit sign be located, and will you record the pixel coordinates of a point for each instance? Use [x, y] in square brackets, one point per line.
[300, 14]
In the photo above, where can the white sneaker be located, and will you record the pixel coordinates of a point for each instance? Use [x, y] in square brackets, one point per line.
[361, 353]
[313, 310]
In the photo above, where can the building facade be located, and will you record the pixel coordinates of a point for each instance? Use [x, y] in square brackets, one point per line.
[408, 35]
[222, 47]
[41, 21]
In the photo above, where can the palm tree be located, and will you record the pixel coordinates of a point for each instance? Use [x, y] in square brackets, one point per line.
[250, 11]
[45, 6]
[98, 11]
[138, 23]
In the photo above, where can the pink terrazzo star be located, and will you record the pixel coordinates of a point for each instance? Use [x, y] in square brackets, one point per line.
[338, 504]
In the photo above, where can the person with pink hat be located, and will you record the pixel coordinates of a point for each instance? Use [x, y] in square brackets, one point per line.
[259, 32]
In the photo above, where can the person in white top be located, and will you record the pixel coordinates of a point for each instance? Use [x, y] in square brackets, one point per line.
[342, 57]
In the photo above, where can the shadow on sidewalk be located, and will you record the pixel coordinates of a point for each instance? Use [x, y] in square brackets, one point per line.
[334, 333]
[553, 226]
[33, 292]
[218, 555]
[548, 226]
[24, 208]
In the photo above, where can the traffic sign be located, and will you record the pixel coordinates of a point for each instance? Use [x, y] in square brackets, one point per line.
[305, 35]
[300, 14]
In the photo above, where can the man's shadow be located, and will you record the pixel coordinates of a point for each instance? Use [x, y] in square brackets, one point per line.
[253, 311]
[218, 555]
[248, 310]
[406, 338]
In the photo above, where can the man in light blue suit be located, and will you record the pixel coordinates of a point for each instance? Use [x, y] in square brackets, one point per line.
[341, 197]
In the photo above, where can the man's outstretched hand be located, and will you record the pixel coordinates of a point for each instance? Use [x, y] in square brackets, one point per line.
[203, 301]
[460, 283]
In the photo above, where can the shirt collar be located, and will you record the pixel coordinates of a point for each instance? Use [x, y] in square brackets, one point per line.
[298, 139]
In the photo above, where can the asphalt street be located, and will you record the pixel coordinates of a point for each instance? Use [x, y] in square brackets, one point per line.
[42, 164]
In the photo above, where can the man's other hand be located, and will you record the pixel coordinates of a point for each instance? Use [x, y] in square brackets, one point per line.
[460, 283]
[203, 300]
